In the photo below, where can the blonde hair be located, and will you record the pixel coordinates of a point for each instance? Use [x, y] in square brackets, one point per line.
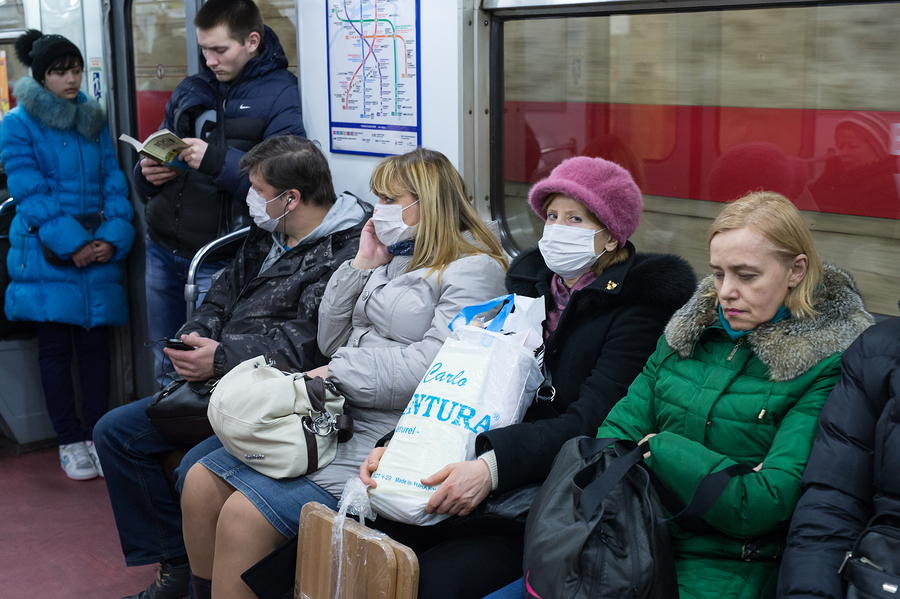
[617, 256]
[444, 209]
[774, 217]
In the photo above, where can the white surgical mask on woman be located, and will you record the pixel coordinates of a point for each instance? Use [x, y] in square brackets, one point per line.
[568, 251]
[389, 225]
[257, 205]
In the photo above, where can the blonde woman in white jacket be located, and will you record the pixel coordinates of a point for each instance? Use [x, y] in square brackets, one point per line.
[423, 257]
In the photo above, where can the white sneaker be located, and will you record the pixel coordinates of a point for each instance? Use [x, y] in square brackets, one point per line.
[76, 462]
[92, 451]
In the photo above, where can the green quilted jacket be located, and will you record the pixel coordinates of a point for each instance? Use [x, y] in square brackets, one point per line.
[713, 402]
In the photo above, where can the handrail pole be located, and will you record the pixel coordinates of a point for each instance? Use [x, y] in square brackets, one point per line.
[191, 289]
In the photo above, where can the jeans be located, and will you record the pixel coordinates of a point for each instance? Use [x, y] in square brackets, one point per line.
[192, 457]
[514, 590]
[147, 516]
[55, 343]
[165, 278]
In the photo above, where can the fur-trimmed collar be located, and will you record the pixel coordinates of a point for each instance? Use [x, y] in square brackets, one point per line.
[789, 347]
[84, 115]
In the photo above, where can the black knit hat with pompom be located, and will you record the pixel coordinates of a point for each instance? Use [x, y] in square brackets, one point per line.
[38, 51]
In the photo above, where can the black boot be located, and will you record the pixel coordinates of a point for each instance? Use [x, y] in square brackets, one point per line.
[202, 587]
[172, 582]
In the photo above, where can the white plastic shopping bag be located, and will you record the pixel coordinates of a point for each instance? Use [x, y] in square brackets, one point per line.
[484, 378]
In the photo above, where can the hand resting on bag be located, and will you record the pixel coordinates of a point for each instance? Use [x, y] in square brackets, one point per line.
[321, 372]
[369, 466]
[644, 440]
[196, 365]
[463, 485]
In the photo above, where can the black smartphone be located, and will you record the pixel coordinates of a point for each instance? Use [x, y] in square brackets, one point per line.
[179, 344]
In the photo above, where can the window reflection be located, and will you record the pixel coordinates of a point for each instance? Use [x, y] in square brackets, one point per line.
[703, 107]
[12, 15]
[280, 16]
[160, 58]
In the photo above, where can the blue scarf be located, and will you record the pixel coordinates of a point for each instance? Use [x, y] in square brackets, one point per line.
[402, 248]
[782, 314]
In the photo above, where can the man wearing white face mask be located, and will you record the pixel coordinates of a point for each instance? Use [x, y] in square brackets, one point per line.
[265, 303]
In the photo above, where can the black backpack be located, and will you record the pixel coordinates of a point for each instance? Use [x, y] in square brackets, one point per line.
[597, 528]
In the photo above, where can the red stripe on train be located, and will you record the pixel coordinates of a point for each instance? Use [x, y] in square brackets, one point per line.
[837, 161]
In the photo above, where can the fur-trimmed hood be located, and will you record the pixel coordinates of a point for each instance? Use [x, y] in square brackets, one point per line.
[84, 115]
[790, 347]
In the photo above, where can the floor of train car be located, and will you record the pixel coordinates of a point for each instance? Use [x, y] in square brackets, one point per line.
[57, 536]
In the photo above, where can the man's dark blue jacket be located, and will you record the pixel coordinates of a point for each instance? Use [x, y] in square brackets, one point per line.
[185, 214]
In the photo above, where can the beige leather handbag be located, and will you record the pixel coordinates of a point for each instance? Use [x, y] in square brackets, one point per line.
[282, 424]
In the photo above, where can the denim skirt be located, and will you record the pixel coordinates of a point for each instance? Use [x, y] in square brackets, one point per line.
[279, 500]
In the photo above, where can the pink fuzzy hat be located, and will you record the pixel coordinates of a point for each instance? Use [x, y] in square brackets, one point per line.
[605, 188]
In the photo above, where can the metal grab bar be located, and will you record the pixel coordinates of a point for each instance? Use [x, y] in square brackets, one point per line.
[191, 289]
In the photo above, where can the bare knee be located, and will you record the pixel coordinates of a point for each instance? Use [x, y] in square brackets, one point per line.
[243, 537]
[241, 520]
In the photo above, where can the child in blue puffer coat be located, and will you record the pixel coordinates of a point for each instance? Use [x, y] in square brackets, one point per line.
[70, 235]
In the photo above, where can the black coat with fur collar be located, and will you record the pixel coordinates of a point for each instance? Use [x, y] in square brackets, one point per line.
[604, 337]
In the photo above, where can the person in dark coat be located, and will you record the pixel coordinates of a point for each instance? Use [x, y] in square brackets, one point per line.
[245, 84]
[853, 469]
[606, 308]
[265, 303]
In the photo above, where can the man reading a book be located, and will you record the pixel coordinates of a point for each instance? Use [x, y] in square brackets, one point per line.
[243, 95]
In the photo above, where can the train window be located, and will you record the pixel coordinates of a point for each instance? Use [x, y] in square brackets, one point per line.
[160, 52]
[12, 18]
[280, 16]
[160, 58]
[12, 15]
[702, 107]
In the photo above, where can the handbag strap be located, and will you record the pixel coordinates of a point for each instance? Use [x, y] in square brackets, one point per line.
[341, 424]
[591, 497]
[690, 516]
[344, 425]
[546, 392]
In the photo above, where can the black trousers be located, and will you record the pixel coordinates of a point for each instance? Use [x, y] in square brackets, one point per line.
[55, 352]
[462, 558]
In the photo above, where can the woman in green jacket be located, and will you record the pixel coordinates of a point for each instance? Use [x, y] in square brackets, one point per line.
[739, 377]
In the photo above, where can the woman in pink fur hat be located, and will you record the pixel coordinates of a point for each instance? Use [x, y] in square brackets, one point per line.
[606, 307]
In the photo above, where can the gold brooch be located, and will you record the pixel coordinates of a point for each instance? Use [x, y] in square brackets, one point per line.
[611, 285]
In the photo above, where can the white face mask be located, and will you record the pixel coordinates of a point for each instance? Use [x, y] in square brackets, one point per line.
[568, 251]
[389, 225]
[257, 205]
